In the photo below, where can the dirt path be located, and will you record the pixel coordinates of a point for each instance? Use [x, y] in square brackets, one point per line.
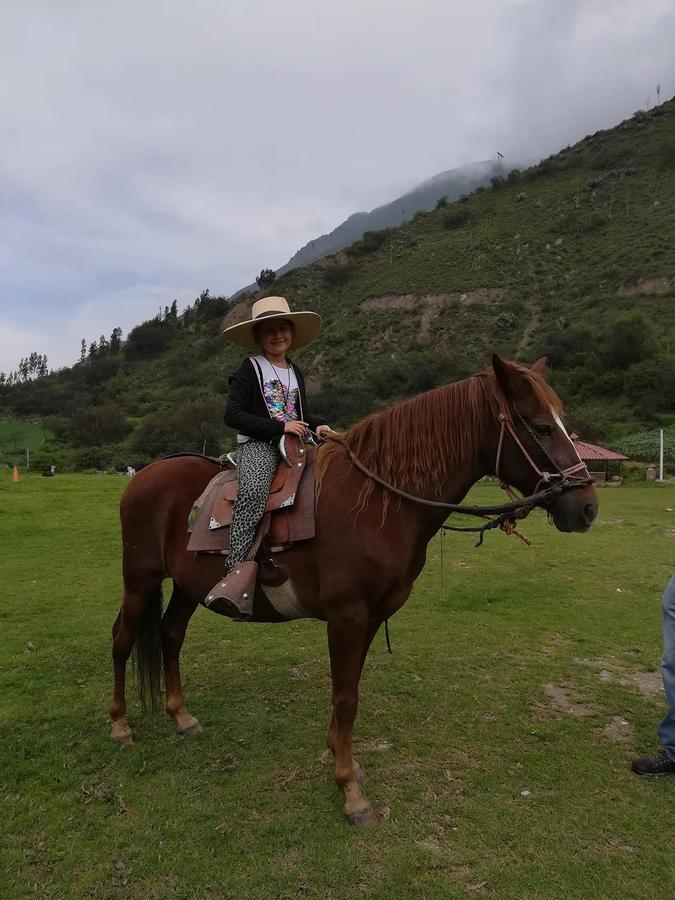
[533, 310]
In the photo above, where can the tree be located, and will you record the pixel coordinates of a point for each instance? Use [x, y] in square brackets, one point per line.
[631, 338]
[181, 427]
[148, 339]
[83, 350]
[173, 312]
[93, 350]
[265, 279]
[97, 425]
[103, 345]
[115, 340]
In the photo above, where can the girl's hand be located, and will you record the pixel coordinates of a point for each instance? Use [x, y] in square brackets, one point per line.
[295, 426]
[322, 430]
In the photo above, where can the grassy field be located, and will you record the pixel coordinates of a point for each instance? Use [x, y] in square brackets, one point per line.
[15, 436]
[520, 670]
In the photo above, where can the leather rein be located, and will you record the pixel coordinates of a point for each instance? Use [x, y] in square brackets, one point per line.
[554, 483]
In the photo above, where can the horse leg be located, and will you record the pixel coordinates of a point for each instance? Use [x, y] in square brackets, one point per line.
[174, 625]
[124, 632]
[360, 773]
[347, 635]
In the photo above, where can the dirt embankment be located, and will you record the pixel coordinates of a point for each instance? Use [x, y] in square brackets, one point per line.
[429, 305]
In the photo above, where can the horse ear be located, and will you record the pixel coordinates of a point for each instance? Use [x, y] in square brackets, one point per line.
[504, 373]
[509, 379]
[539, 367]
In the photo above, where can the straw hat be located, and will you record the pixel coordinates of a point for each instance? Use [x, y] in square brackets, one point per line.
[307, 324]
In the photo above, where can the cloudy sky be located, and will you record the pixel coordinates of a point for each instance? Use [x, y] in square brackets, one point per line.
[154, 148]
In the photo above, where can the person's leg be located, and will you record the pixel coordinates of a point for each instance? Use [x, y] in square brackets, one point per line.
[667, 726]
[256, 463]
[663, 762]
[233, 595]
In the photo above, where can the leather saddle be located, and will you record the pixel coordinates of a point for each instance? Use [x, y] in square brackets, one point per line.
[289, 512]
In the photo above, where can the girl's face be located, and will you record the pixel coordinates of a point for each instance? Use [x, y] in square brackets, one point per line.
[275, 337]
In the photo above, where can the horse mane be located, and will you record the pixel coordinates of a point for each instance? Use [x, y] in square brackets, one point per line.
[418, 441]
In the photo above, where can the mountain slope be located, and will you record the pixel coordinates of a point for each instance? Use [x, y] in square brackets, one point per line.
[573, 258]
[450, 184]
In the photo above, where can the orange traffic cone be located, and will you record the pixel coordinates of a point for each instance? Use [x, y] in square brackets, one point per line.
[16, 473]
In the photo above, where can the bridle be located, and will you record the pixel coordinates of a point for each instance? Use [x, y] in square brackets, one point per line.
[554, 483]
[573, 476]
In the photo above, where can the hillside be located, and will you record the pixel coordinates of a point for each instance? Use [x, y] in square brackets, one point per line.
[573, 258]
[451, 185]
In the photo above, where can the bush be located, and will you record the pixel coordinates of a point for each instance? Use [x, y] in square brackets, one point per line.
[567, 348]
[148, 339]
[370, 242]
[630, 339]
[183, 426]
[458, 218]
[98, 458]
[442, 201]
[97, 425]
[337, 275]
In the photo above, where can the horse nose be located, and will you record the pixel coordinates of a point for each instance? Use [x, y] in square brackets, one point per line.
[590, 512]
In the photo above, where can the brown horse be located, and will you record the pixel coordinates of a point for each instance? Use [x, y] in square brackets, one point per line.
[370, 544]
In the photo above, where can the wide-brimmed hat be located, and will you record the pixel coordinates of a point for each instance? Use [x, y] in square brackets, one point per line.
[307, 324]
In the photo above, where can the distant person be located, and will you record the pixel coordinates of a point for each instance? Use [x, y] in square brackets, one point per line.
[663, 762]
[49, 471]
[130, 471]
[266, 400]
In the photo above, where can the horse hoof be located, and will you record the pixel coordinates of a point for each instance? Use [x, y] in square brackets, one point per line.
[121, 734]
[362, 818]
[361, 775]
[190, 728]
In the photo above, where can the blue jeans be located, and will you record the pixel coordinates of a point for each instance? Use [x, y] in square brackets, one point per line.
[667, 726]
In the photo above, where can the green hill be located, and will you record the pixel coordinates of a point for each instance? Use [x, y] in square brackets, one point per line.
[572, 258]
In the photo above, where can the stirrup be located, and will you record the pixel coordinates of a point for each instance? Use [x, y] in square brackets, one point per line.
[233, 595]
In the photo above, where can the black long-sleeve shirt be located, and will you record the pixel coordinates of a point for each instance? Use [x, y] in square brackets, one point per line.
[247, 411]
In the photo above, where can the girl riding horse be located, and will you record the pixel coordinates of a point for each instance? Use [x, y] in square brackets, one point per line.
[267, 400]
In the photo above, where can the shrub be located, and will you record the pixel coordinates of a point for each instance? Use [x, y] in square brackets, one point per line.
[458, 218]
[337, 275]
[630, 339]
[442, 201]
[182, 426]
[148, 339]
[370, 242]
[97, 425]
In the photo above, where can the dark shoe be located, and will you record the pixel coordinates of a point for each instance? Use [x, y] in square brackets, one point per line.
[233, 595]
[659, 764]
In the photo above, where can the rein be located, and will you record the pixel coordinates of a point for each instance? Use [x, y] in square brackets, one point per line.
[504, 514]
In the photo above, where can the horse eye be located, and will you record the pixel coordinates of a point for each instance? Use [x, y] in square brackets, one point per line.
[543, 429]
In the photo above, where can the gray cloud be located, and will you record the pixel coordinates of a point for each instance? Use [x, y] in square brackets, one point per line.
[152, 150]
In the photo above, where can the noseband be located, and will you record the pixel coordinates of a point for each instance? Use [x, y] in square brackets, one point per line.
[572, 476]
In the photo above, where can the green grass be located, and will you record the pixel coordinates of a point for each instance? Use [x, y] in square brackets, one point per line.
[248, 809]
[16, 436]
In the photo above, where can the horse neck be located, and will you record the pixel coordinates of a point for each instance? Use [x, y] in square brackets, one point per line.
[434, 446]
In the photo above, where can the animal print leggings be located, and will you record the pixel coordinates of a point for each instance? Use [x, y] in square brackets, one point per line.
[257, 462]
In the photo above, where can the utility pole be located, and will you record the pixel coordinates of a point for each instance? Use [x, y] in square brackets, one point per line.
[500, 160]
[661, 454]
[658, 94]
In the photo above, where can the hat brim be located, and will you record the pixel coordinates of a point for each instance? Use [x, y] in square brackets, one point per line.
[307, 327]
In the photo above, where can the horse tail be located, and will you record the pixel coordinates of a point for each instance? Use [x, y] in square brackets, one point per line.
[147, 653]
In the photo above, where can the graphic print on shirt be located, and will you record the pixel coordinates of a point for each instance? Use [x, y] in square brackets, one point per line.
[281, 408]
[280, 389]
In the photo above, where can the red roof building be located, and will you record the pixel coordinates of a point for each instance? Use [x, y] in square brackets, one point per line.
[597, 458]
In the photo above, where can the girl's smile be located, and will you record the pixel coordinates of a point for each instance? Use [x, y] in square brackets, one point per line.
[275, 338]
